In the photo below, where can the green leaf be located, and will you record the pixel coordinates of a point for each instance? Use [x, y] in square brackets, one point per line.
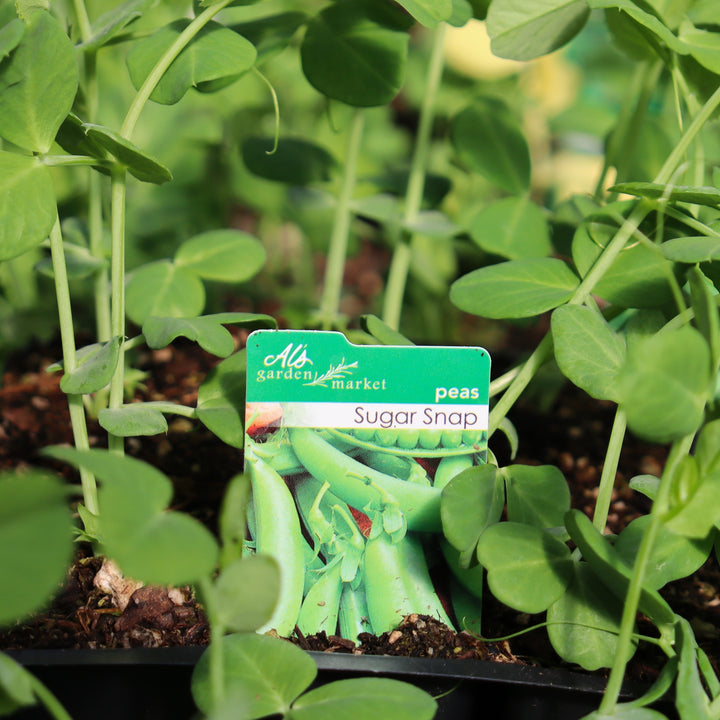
[207, 330]
[27, 204]
[611, 570]
[79, 263]
[513, 228]
[114, 21]
[703, 45]
[470, 503]
[691, 698]
[515, 289]
[37, 84]
[664, 383]
[221, 400]
[149, 543]
[429, 13]
[528, 568]
[364, 698]
[536, 495]
[583, 624]
[36, 544]
[488, 140]
[270, 35]
[10, 36]
[16, 686]
[295, 161]
[222, 255]
[215, 53]
[646, 484]
[529, 29]
[138, 163]
[621, 712]
[707, 321]
[262, 676]
[163, 289]
[650, 22]
[588, 352]
[96, 365]
[383, 333]
[232, 523]
[238, 609]
[673, 556]
[708, 196]
[355, 52]
[692, 250]
[133, 420]
[637, 277]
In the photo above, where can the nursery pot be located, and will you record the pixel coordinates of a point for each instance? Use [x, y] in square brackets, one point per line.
[154, 684]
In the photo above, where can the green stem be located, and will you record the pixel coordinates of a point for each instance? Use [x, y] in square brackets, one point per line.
[606, 259]
[67, 337]
[337, 252]
[678, 451]
[117, 305]
[402, 254]
[51, 703]
[607, 478]
[156, 74]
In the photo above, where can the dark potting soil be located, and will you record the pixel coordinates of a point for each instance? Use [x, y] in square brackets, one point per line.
[569, 431]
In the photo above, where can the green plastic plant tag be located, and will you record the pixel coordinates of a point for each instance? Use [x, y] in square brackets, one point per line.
[365, 437]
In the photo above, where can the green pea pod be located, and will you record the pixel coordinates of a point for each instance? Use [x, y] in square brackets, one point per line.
[428, 442]
[398, 583]
[354, 616]
[449, 467]
[320, 608]
[398, 466]
[278, 534]
[357, 484]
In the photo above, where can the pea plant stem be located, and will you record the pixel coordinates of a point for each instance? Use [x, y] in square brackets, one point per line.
[118, 196]
[402, 254]
[602, 264]
[610, 465]
[67, 337]
[51, 703]
[679, 449]
[337, 252]
[216, 649]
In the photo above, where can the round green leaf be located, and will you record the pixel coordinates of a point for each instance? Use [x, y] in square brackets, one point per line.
[270, 35]
[587, 350]
[673, 556]
[238, 609]
[215, 53]
[637, 278]
[133, 420]
[364, 698]
[38, 84]
[537, 495]
[692, 250]
[355, 52]
[583, 624]
[139, 164]
[221, 400]
[96, 366]
[528, 568]
[222, 255]
[471, 502]
[165, 290]
[79, 263]
[36, 543]
[531, 28]
[263, 675]
[488, 140]
[663, 384]
[295, 161]
[703, 45]
[10, 36]
[513, 228]
[16, 686]
[515, 289]
[27, 204]
[114, 21]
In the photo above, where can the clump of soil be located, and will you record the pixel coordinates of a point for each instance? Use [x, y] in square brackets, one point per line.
[571, 432]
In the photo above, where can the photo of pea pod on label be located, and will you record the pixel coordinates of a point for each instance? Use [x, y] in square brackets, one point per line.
[363, 438]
